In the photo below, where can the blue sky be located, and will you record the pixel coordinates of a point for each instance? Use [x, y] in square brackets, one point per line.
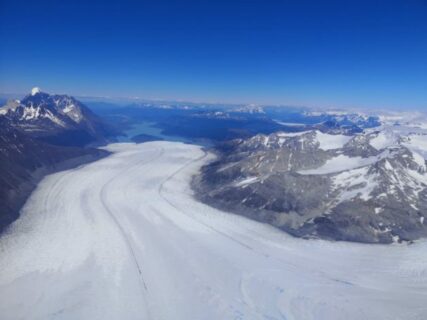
[319, 53]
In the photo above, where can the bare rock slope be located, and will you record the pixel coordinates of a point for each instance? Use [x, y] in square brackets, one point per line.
[314, 184]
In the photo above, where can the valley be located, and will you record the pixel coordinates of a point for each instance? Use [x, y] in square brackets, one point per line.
[124, 238]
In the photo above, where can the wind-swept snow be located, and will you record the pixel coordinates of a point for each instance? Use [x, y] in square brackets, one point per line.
[123, 238]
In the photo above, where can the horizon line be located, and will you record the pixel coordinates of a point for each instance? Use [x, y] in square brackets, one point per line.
[195, 101]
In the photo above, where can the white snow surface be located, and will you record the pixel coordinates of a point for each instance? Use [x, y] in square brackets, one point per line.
[246, 181]
[417, 143]
[35, 90]
[123, 238]
[331, 141]
[343, 162]
[354, 183]
[384, 139]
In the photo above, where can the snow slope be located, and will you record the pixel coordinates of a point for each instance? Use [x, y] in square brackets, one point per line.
[122, 238]
[341, 163]
[331, 141]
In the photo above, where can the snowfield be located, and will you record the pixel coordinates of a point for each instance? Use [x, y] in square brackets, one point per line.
[341, 163]
[123, 238]
[331, 141]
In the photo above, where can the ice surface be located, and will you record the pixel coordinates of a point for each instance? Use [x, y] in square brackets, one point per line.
[291, 134]
[123, 238]
[354, 183]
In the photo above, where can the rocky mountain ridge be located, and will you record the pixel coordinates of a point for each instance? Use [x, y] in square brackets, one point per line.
[57, 119]
[365, 187]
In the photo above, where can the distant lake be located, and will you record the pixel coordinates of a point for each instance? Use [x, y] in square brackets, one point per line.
[149, 128]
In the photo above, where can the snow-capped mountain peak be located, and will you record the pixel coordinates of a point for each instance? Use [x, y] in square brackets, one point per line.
[35, 90]
[44, 114]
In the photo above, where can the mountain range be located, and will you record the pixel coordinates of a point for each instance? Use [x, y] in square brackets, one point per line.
[330, 175]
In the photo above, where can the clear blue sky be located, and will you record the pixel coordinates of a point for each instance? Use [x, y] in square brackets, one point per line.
[321, 53]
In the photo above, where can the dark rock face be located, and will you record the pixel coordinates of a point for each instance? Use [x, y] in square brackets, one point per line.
[312, 188]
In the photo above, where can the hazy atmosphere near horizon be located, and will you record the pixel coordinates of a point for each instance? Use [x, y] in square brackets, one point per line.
[245, 160]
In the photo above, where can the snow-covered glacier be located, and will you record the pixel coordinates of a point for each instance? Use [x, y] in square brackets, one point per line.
[123, 238]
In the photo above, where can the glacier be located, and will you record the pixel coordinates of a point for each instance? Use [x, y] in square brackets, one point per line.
[124, 238]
